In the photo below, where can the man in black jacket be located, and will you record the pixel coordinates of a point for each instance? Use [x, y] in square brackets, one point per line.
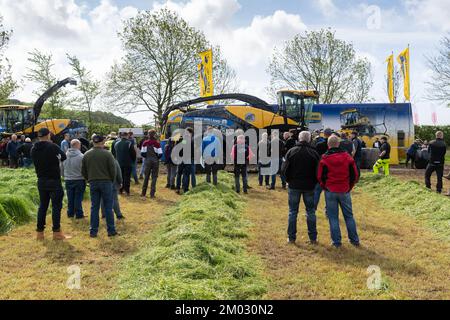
[300, 170]
[437, 150]
[24, 152]
[126, 156]
[46, 158]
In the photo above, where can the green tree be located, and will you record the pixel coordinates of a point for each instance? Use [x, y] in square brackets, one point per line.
[440, 66]
[7, 84]
[160, 65]
[88, 88]
[41, 73]
[317, 60]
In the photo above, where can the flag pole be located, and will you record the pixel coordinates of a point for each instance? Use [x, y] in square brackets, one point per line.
[393, 78]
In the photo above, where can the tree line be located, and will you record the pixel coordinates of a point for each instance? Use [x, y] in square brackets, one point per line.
[159, 68]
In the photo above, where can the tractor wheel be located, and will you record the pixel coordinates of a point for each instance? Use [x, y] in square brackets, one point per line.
[422, 159]
[369, 157]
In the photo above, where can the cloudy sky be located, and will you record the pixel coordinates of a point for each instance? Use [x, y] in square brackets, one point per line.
[247, 31]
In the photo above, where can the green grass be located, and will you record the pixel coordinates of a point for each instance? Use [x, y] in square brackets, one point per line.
[19, 197]
[409, 197]
[6, 222]
[197, 253]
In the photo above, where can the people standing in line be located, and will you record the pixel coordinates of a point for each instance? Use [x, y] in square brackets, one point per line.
[151, 152]
[75, 183]
[300, 170]
[99, 169]
[210, 150]
[264, 152]
[134, 163]
[411, 153]
[277, 143]
[437, 150]
[171, 167]
[358, 145]
[65, 144]
[241, 155]
[126, 156]
[347, 145]
[377, 143]
[46, 159]
[24, 152]
[337, 174]
[321, 148]
[11, 149]
[384, 157]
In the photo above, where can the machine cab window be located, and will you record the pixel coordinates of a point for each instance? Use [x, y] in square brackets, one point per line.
[297, 105]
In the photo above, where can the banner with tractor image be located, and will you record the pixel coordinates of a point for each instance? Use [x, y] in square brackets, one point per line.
[371, 121]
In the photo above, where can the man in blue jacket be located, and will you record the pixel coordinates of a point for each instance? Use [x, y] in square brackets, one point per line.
[210, 151]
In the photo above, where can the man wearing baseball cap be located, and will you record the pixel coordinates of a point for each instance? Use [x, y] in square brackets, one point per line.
[46, 158]
[99, 169]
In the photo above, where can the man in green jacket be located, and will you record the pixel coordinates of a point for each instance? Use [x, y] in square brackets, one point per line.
[99, 169]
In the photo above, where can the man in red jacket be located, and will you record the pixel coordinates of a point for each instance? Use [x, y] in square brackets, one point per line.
[338, 175]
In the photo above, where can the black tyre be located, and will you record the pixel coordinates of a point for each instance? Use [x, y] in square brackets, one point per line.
[422, 159]
[369, 157]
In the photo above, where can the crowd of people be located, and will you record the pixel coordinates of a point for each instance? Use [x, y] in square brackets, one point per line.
[15, 152]
[307, 164]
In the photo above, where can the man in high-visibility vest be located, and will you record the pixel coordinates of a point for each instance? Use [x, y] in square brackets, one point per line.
[384, 157]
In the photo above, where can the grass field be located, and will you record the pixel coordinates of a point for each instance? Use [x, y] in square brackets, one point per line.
[162, 236]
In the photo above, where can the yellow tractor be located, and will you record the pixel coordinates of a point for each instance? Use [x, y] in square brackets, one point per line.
[24, 120]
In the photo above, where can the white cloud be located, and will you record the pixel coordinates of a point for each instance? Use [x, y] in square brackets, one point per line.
[246, 48]
[430, 13]
[327, 7]
[204, 14]
[60, 27]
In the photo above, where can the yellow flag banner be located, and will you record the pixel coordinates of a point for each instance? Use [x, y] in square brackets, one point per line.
[403, 60]
[205, 69]
[390, 78]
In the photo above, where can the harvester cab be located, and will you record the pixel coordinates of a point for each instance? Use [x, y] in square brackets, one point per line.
[297, 106]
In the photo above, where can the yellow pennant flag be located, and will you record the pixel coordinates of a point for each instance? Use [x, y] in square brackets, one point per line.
[205, 69]
[390, 78]
[403, 60]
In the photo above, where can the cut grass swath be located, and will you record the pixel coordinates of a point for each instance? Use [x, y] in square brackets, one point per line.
[6, 223]
[19, 197]
[412, 199]
[19, 209]
[198, 252]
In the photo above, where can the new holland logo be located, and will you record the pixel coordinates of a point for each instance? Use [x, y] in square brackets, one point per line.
[250, 117]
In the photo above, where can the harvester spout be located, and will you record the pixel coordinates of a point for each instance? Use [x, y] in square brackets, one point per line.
[37, 108]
